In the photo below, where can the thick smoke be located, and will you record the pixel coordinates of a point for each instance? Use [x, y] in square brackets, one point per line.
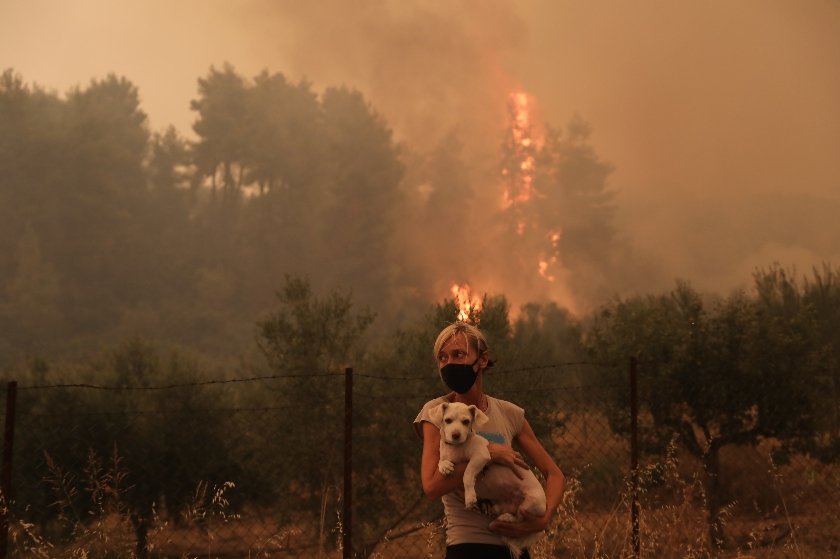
[720, 118]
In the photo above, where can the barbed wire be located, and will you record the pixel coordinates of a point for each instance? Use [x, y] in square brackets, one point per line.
[337, 374]
[179, 385]
[165, 411]
[361, 396]
[493, 371]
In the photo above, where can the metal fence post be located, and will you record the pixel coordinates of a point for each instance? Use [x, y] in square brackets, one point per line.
[634, 458]
[347, 532]
[6, 468]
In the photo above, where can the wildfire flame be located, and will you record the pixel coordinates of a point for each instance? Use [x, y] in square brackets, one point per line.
[540, 240]
[518, 184]
[469, 305]
[519, 175]
[553, 257]
[542, 268]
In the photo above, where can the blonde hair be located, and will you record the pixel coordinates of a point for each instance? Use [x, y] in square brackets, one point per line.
[475, 338]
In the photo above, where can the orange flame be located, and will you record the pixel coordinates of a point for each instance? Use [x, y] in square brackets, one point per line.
[519, 190]
[542, 268]
[519, 181]
[553, 258]
[469, 305]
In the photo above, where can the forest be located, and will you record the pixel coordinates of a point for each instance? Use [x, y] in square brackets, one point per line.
[110, 230]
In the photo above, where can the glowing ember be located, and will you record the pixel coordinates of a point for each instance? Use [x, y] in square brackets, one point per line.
[543, 270]
[469, 305]
[553, 257]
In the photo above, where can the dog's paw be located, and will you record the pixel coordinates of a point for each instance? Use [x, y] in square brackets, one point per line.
[470, 500]
[446, 467]
[487, 508]
[506, 517]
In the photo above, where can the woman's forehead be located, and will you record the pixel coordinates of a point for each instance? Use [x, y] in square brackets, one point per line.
[458, 340]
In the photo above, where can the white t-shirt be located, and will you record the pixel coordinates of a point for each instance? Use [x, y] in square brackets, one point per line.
[464, 525]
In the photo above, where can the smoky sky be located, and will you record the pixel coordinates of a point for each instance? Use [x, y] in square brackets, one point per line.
[721, 118]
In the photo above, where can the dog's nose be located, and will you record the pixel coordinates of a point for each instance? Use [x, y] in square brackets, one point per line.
[456, 435]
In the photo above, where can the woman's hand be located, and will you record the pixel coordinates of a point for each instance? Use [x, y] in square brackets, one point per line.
[505, 455]
[530, 524]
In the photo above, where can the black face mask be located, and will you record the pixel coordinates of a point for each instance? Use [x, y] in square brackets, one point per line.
[459, 376]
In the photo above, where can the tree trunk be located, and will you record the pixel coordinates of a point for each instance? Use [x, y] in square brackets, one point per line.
[228, 183]
[710, 458]
[714, 499]
[141, 530]
[835, 427]
[240, 177]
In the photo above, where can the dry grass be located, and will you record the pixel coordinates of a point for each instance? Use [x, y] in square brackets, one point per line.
[673, 520]
[773, 512]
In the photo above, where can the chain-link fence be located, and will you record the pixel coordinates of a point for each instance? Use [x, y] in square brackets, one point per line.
[256, 468]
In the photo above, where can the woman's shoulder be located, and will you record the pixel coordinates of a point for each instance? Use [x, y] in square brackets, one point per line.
[434, 402]
[424, 413]
[506, 406]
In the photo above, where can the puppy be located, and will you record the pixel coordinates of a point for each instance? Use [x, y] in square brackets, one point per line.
[509, 496]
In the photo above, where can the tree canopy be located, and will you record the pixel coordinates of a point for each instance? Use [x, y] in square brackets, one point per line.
[725, 371]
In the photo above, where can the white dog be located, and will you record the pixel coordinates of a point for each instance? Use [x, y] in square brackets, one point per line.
[510, 497]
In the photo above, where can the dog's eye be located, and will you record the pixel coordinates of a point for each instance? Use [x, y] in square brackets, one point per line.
[466, 422]
[448, 420]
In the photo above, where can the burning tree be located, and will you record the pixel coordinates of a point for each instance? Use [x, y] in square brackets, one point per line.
[468, 305]
[556, 206]
[520, 150]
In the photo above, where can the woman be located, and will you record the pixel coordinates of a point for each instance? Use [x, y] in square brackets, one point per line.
[462, 356]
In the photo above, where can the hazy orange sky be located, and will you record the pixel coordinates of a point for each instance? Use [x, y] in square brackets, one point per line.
[721, 117]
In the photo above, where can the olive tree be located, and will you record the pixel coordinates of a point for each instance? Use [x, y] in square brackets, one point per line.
[715, 371]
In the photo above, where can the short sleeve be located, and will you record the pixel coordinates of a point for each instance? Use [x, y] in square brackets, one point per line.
[424, 415]
[518, 419]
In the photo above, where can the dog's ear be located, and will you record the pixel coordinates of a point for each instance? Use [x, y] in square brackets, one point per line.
[436, 414]
[479, 417]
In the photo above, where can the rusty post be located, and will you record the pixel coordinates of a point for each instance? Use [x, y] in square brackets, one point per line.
[347, 521]
[6, 468]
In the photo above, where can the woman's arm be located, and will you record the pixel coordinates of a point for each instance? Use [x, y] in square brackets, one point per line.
[555, 484]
